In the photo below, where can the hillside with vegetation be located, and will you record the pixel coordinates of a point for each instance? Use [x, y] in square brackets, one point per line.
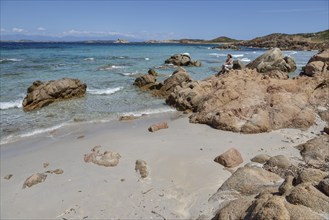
[302, 41]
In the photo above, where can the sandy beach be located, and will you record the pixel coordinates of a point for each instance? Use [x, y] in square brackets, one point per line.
[182, 173]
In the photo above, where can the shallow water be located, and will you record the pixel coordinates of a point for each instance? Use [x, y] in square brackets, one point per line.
[108, 70]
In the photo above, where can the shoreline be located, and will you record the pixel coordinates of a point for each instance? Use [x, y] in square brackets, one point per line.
[182, 178]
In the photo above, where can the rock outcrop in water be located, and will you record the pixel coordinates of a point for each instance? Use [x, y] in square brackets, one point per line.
[41, 94]
[182, 60]
[273, 60]
[319, 63]
[163, 89]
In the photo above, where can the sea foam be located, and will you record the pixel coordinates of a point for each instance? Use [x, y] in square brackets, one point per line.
[149, 111]
[11, 104]
[107, 91]
[9, 60]
[13, 138]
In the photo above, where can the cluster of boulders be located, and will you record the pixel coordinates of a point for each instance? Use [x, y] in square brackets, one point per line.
[249, 100]
[279, 187]
[163, 89]
[41, 94]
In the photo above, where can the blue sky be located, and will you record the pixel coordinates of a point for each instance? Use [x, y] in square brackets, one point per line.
[166, 19]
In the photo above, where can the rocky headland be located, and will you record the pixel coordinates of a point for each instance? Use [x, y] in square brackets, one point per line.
[305, 41]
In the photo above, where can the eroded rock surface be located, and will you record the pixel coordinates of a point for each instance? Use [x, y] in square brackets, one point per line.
[107, 158]
[41, 94]
[34, 179]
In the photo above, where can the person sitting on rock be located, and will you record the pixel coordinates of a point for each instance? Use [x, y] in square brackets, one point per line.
[228, 65]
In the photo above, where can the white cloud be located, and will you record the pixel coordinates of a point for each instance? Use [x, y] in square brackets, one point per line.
[17, 30]
[292, 10]
[41, 29]
[2, 30]
[74, 32]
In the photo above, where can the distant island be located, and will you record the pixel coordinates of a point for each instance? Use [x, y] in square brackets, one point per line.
[301, 41]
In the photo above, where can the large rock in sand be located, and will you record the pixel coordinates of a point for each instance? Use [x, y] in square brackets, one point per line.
[248, 181]
[307, 195]
[230, 158]
[41, 94]
[315, 149]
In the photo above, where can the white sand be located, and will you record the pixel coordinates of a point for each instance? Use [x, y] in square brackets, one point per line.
[182, 176]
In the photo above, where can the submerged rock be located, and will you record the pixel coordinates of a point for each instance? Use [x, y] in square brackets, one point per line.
[41, 94]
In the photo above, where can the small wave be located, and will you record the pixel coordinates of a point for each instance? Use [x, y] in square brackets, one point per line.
[245, 60]
[129, 74]
[12, 138]
[107, 91]
[218, 54]
[6, 60]
[149, 111]
[119, 57]
[12, 104]
[146, 58]
[238, 55]
[89, 59]
[290, 52]
[110, 67]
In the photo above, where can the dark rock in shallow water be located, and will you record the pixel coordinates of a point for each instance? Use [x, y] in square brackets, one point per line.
[41, 94]
[182, 60]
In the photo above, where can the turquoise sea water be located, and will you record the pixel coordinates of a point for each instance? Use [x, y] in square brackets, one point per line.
[109, 71]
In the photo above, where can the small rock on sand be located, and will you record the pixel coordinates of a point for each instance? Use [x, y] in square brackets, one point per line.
[46, 164]
[107, 159]
[158, 126]
[141, 166]
[7, 177]
[34, 179]
[57, 171]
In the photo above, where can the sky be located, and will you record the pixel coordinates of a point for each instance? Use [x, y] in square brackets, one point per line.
[160, 19]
